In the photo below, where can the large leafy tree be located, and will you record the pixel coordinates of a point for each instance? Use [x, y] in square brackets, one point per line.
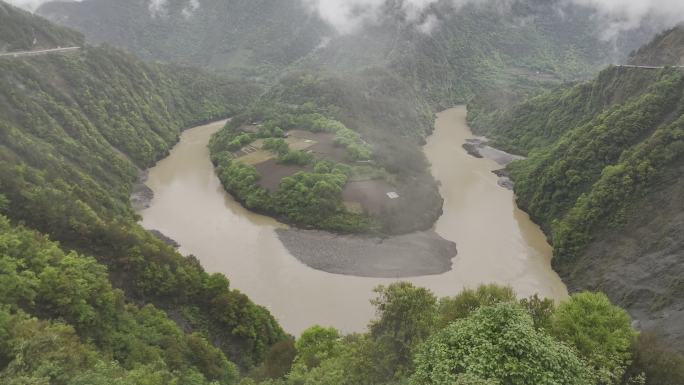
[407, 317]
[601, 332]
[469, 300]
[315, 345]
[497, 343]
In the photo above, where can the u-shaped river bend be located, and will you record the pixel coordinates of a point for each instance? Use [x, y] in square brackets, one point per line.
[497, 242]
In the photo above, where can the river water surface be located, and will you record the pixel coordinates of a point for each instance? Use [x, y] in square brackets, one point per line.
[497, 242]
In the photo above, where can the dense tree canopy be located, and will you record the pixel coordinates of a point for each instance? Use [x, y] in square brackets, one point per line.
[406, 318]
[493, 339]
[83, 320]
[601, 332]
[501, 344]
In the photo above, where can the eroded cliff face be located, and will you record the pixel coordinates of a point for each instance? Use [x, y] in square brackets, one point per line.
[667, 49]
[640, 266]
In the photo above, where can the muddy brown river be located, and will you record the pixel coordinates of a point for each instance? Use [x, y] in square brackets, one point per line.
[497, 242]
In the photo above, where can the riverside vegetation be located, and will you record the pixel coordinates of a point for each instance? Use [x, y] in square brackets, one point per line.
[126, 308]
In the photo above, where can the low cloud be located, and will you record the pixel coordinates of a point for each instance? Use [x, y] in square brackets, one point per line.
[624, 15]
[617, 15]
[30, 5]
[348, 16]
[189, 10]
[157, 8]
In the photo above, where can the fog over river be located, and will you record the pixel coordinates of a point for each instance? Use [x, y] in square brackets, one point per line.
[497, 243]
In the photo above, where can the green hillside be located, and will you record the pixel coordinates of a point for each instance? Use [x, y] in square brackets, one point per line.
[481, 336]
[62, 322]
[75, 131]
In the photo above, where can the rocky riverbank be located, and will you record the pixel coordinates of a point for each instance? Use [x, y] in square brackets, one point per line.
[410, 255]
[479, 148]
[141, 196]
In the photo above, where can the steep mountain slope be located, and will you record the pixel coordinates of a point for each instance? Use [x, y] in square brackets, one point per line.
[667, 49]
[604, 178]
[242, 35]
[74, 131]
[20, 31]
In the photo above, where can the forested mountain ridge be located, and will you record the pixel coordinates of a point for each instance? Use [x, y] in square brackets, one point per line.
[21, 31]
[74, 132]
[604, 178]
[242, 36]
[451, 53]
[448, 52]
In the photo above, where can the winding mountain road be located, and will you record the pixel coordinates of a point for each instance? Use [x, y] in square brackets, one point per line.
[39, 52]
[647, 67]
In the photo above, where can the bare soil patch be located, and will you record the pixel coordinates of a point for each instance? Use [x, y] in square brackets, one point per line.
[273, 172]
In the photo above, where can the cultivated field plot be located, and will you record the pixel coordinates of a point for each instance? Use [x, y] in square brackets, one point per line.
[372, 195]
[320, 144]
[297, 140]
[253, 154]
